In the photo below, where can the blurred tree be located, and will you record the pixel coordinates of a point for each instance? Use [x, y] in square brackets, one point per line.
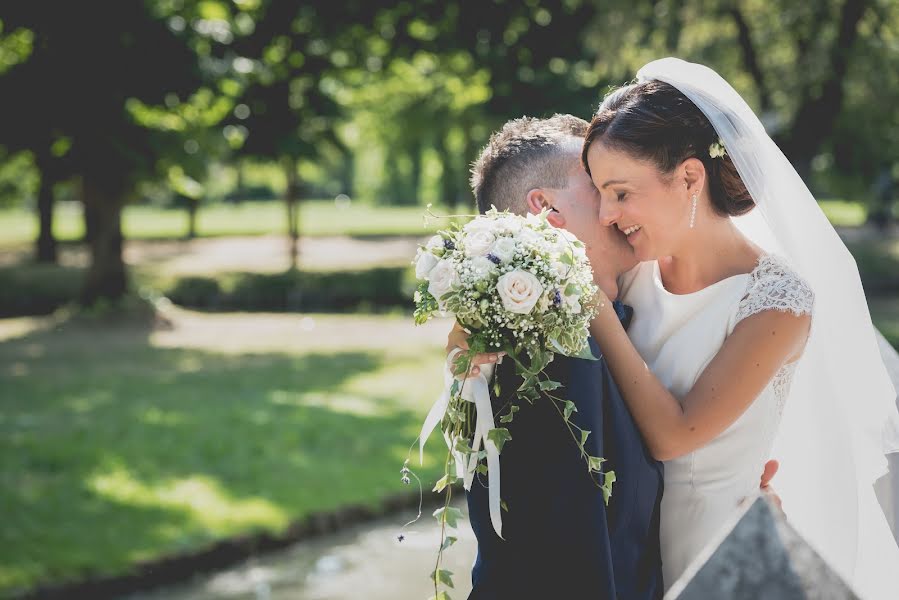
[37, 134]
[805, 67]
[412, 103]
[76, 85]
[285, 113]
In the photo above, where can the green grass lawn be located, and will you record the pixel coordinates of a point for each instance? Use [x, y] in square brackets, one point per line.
[317, 218]
[121, 444]
[843, 213]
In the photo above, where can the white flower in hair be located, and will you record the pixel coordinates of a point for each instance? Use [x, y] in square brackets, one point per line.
[717, 150]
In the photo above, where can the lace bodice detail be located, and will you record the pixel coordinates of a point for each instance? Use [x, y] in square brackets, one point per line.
[773, 285]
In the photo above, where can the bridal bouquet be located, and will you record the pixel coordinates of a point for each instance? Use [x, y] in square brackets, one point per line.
[519, 286]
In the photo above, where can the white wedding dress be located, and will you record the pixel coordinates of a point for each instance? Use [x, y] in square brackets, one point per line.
[678, 335]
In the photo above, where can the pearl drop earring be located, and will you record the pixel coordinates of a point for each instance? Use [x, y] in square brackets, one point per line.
[693, 211]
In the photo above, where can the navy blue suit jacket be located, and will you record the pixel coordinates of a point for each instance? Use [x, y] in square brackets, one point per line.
[561, 541]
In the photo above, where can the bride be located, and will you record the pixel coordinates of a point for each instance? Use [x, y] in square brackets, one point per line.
[751, 318]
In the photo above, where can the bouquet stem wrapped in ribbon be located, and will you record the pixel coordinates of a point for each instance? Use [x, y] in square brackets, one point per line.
[520, 286]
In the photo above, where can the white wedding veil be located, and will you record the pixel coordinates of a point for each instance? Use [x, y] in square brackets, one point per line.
[841, 418]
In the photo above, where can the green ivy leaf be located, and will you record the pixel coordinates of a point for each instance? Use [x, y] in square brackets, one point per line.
[607, 486]
[443, 482]
[461, 363]
[584, 435]
[462, 446]
[440, 596]
[529, 383]
[503, 505]
[443, 576]
[569, 408]
[499, 436]
[482, 469]
[449, 541]
[549, 385]
[449, 515]
[595, 463]
[586, 354]
[507, 418]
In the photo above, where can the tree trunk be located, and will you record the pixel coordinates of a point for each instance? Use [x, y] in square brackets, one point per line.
[415, 150]
[238, 193]
[751, 59]
[290, 200]
[192, 206]
[449, 181]
[89, 210]
[46, 243]
[822, 101]
[465, 202]
[106, 277]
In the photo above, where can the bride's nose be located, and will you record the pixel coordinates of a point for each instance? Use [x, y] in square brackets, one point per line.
[608, 213]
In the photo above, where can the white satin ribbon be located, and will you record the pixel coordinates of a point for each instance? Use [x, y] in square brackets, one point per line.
[474, 389]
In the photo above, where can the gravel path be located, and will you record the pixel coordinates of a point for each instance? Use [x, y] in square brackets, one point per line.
[362, 562]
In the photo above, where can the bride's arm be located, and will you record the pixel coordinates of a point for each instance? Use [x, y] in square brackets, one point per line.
[750, 357]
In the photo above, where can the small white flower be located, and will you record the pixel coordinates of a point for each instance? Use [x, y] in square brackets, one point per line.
[717, 150]
[534, 220]
[509, 224]
[481, 267]
[561, 269]
[519, 290]
[443, 278]
[528, 236]
[572, 304]
[503, 249]
[424, 262]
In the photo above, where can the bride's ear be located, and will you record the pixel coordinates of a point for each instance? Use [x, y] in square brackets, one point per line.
[538, 201]
[693, 174]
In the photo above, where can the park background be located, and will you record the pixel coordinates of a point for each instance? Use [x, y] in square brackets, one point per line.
[208, 210]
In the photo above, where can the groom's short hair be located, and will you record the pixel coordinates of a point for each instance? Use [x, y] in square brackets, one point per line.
[527, 153]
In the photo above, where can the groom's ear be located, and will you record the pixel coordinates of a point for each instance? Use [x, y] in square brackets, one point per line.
[539, 200]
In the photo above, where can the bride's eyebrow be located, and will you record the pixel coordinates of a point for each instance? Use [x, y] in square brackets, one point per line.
[613, 182]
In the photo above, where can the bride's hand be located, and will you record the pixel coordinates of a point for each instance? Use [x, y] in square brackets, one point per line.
[458, 338]
[765, 486]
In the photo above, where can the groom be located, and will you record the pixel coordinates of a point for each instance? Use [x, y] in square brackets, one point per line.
[561, 540]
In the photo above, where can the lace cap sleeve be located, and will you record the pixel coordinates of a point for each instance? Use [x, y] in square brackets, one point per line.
[773, 285]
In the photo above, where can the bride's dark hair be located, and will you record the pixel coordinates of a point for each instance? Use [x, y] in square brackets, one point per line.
[654, 121]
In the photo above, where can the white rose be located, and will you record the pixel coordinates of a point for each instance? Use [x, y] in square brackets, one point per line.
[442, 279]
[424, 262]
[435, 242]
[503, 249]
[478, 242]
[481, 267]
[478, 224]
[519, 291]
